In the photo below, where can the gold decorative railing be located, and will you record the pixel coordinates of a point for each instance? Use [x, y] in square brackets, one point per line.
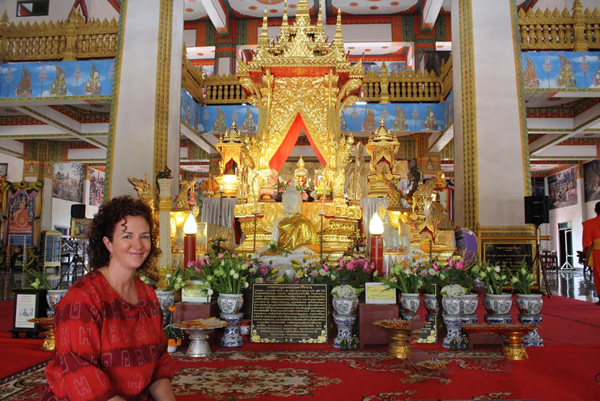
[554, 30]
[223, 89]
[72, 39]
[408, 86]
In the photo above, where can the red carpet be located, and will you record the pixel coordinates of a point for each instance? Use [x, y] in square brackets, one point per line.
[562, 370]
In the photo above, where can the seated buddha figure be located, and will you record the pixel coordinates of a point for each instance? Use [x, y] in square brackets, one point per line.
[293, 230]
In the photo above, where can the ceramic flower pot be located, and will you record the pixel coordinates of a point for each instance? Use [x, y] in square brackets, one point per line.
[451, 305]
[469, 303]
[529, 303]
[498, 304]
[230, 303]
[430, 303]
[345, 306]
[54, 296]
[410, 304]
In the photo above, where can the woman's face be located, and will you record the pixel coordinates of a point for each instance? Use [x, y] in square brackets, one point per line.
[131, 243]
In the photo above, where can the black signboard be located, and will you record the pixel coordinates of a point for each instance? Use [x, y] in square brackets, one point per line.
[29, 304]
[289, 313]
[509, 254]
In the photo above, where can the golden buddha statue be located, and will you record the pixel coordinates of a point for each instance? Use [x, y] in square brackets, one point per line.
[293, 230]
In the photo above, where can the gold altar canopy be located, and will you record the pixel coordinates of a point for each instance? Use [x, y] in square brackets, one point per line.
[301, 82]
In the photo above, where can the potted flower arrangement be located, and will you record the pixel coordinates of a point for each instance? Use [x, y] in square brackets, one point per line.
[494, 279]
[404, 277]
[434, 278]
[173, 282]
[345, 299]
[40, 282]
[522, 280]
[228, 275]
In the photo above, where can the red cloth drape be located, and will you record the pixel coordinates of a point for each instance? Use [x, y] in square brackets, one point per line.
[289, 142]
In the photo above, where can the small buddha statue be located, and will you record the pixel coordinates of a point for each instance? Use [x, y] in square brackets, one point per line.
[293, 230]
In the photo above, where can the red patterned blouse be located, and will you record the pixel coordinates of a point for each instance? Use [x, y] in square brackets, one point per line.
[106, 346]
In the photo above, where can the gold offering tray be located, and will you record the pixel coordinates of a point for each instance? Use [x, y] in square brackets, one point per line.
[201, 324]
[513, 349]
[400, 346]
[46, 323]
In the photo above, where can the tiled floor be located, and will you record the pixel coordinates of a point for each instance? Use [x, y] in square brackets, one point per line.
[567, 283]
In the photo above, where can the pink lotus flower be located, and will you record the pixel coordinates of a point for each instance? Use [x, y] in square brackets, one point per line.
[435, 267]
[325, 267]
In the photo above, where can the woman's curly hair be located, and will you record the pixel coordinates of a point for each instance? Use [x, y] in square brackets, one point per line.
[105, 221]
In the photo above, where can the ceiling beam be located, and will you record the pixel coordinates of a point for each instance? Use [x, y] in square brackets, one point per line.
[58, 120]
[216, 14]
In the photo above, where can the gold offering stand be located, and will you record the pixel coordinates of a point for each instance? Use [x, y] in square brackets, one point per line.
[47, 324]
[513, 349]
[198, 331]
[400, 346]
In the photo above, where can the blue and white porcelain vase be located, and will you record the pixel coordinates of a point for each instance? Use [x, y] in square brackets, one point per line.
[345, 306]
[530, 306]
[230, 303]
[409, 303]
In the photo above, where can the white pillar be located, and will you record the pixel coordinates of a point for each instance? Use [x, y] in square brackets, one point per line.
[491, 160]
[145, 115]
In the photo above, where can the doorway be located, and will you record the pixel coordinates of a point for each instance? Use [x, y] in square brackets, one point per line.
[565, 245]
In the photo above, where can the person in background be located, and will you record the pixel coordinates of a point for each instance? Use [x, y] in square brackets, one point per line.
[110, 342]
[591, 246]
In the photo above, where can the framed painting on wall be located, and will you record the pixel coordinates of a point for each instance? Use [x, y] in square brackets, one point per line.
[79, 227]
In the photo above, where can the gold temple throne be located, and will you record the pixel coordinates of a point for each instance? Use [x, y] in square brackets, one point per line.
[301, 83]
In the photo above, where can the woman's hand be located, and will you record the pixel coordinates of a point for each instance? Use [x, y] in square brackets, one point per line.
[161, 390]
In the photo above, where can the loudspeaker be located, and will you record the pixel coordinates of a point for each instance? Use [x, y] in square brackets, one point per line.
[78, 211]
[537, 210]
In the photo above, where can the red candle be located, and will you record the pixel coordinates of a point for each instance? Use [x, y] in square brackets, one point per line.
[189, 249]
[377, 253]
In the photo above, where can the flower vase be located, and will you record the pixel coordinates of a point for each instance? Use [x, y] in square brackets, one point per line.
[230, 306]
[345, 306]
[468, 304]
[171, 348]
[53, 297]
[165, 299]
[530, 306]
[410, 304]
[230, 303]
[498, 308]
[451, 305]
[430, 302]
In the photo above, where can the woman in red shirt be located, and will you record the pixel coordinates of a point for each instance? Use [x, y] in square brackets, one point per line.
[110, 343]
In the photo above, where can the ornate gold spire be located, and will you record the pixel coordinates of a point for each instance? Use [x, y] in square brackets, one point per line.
[233, 136]
[381, 134]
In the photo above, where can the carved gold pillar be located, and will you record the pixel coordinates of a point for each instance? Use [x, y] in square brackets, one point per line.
[164, 210]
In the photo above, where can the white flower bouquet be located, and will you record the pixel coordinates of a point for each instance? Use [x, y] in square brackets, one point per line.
[345, 291]
[453, 290]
